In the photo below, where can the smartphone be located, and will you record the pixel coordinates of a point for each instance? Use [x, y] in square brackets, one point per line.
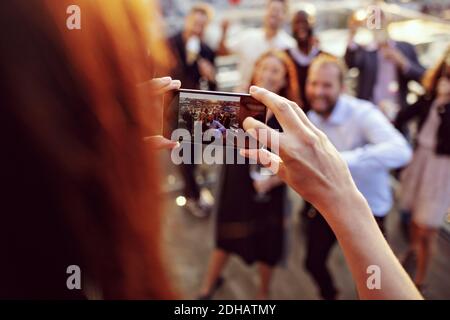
[206, 117]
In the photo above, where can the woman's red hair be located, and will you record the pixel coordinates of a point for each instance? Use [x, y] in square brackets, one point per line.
[81, 186]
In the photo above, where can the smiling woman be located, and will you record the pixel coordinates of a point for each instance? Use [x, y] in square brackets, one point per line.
[80, 186]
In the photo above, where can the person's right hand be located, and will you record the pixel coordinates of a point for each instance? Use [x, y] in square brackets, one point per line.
[307, 160]
[311, 165]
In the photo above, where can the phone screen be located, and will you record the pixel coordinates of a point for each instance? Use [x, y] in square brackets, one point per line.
[213, 117]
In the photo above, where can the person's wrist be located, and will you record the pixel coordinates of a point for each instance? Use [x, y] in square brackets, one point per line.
[343, 205]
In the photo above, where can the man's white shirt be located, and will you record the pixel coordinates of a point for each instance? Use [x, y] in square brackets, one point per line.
[369, 144]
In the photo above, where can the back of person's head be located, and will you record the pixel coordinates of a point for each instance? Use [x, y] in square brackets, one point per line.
[78, 185]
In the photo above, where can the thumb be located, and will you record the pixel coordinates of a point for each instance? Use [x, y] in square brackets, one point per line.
[160, 143]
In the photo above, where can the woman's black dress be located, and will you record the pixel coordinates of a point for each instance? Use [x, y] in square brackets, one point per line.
[253, 230]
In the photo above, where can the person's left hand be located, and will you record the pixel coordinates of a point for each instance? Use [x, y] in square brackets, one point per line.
[157, 88]
[159, 142]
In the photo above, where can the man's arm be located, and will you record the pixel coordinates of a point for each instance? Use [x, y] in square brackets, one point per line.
[206, 66]
[385, 149]
[222, 49]
[354, 53]
[405, 58]
[414, 70]
[354, 56]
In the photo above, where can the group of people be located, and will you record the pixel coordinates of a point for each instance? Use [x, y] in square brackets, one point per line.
[214, 117]
[80, 134]
[368, 129]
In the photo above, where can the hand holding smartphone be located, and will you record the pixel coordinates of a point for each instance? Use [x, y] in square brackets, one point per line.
[207, 117]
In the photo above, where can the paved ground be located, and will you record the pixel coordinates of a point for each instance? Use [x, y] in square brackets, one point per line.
[189, 241]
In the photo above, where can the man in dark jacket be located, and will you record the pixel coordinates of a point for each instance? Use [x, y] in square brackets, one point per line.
[385, 66]
[194, 66]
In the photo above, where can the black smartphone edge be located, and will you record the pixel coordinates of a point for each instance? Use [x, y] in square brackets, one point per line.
[171, 108]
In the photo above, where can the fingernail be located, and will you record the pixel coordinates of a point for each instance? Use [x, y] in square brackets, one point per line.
[253, 89]
[176, 83]
[166, 79]
[252, 132]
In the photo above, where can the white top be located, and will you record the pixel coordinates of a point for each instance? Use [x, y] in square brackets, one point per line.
[250, 44]
[304, 59]
[369, 144]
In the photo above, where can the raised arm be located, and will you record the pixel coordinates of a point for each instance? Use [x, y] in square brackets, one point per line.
[310, 164]
[414, 70]
[353, 54]
[222, 49]
[386, 148]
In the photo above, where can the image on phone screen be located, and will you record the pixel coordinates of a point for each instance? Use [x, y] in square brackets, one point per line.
[215, 117]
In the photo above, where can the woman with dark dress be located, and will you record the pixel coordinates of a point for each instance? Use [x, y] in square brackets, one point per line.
[250, 220]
